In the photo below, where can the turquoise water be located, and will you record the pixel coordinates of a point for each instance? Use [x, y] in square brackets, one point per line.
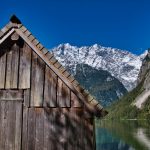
[122, 135]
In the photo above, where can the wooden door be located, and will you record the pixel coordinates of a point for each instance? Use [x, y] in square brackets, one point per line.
[10, 119]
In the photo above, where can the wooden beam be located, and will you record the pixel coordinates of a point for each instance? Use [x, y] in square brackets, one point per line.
[7, 35]
[11, 95]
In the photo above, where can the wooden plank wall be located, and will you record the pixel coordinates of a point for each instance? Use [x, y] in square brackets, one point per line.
[22, 68]
[2, 68]
[52, 117]
[50, 88]
[56, 129]
[10, 124]
[37, 80]
[25, 67]
[12, 67]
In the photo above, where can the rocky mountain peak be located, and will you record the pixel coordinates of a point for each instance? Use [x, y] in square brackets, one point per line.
[122, 64]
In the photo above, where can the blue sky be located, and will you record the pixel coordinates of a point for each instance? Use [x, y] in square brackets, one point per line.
[123, 24]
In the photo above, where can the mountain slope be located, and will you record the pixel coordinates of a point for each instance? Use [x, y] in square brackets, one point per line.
[135, 104]
[100, 84]
[123, 65]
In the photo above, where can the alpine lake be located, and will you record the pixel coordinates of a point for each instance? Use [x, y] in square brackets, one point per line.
[122, 135]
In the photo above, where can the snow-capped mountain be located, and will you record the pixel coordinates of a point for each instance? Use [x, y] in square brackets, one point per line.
[121, 64]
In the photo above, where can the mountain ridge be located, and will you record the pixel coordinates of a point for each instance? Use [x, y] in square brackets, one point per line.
[122, 64]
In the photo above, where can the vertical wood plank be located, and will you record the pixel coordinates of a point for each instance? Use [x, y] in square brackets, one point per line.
[10, 127]
[63, 94]
[50, 130]
[12, 67]
[18, 126]
[63, 135]
[31, 130]
[37, 80]
[50, 88]
[46, 132]
[26, 98]
[3, 124]
[25, 129]
[81, 140]
[24, 67]
[74, 130]
[88, 137]
[2, 68]
[94, 135]
[39, 134]
[75, 101]
[53, 129]
[0, 124]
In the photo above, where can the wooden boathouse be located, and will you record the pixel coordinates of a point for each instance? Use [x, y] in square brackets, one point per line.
[42, 106]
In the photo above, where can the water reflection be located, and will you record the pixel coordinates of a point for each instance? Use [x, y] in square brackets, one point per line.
[142, 137]
[122, 135]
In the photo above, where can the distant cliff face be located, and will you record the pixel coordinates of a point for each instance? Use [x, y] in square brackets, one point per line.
[144, 78]
[136, 104]
[144, 73]
[100, 84]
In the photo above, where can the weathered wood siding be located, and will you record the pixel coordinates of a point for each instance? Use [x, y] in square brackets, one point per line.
[21, 68]
[2, 68]
[10, 119]
[38, 111]
[57, 129]
[12, 67]
[25, 67]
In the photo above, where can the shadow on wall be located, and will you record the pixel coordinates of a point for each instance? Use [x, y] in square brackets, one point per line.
[59, 129]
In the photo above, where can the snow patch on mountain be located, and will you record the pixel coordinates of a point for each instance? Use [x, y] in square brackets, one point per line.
[121, 64]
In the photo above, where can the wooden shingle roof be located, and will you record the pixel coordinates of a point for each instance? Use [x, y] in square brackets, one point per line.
[15, 25]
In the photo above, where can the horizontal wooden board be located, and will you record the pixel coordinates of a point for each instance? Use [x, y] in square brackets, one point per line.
[11, 95]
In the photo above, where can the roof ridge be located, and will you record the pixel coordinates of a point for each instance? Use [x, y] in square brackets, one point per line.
[15, 19]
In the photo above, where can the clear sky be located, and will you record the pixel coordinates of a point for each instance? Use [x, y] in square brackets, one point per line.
[123, 24]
